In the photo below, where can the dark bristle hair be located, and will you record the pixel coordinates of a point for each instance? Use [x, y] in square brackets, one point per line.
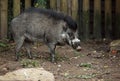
[58, 16]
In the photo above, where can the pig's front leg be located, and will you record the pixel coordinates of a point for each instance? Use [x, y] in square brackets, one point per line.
[52, 51]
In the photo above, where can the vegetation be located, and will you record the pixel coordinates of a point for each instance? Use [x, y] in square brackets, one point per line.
[4, 46]
[27, 63]
[88, 65]
[41, 3]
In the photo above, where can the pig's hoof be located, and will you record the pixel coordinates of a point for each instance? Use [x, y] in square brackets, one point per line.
[16, 59]
[52, 61]
[30, 57]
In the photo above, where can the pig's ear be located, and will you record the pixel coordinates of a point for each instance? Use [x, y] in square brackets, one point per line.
[65, 27]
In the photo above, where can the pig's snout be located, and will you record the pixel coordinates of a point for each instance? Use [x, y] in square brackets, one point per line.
[76, 44]
[78, 48]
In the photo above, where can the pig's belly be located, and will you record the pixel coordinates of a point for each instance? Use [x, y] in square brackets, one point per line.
[31, 38]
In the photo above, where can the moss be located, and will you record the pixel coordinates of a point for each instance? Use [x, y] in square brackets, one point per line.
[41, 3]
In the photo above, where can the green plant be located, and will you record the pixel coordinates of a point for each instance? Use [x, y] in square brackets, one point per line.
[29, 63]
[41, 3]
[84, 76]
[3, 44]
[77, 54]
[58, 58]
[88, 65]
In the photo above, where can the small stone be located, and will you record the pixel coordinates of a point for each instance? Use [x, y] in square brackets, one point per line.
[35, 47]
[59, 66]
[77, 65]
[115, 45]
[5, 69]
[75, 57]
[95, 51]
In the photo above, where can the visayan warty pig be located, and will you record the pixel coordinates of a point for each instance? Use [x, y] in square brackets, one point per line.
[48, 26]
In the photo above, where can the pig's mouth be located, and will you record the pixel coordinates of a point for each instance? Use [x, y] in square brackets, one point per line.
[77, 48]
[75, 44]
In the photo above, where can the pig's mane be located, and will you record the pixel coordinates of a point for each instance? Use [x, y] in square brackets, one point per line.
[58, 16]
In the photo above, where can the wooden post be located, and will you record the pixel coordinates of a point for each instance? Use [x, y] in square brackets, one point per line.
[53, 4]
[97, 19]
[0, 16]
[118, 6]
[69, 2]
[16, 7]
[58, 5]
[86, 19]
[3, 18]
[75, 9]
[64, 6]
[80, 19]
[108, 17]
[27, 4]
[117, 33]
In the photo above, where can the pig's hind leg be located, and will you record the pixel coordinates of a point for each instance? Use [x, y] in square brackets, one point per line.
[28, 47]
[19, 42]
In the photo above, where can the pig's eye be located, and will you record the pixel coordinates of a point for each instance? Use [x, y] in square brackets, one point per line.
[71, 35]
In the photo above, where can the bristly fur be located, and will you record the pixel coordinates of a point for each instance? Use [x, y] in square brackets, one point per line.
[58, 16]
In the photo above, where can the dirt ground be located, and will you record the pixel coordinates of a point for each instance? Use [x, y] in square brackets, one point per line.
[92, 63]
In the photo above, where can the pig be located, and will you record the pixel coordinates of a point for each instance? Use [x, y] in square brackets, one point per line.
[44, 25]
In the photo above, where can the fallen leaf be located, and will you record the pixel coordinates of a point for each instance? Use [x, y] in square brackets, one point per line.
[114, 51]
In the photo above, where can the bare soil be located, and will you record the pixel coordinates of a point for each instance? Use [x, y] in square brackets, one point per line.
[93, 63]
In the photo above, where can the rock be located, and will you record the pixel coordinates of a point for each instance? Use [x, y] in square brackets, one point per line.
[115, 46]
[4, 69]
[28, 74]
[115, 43]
